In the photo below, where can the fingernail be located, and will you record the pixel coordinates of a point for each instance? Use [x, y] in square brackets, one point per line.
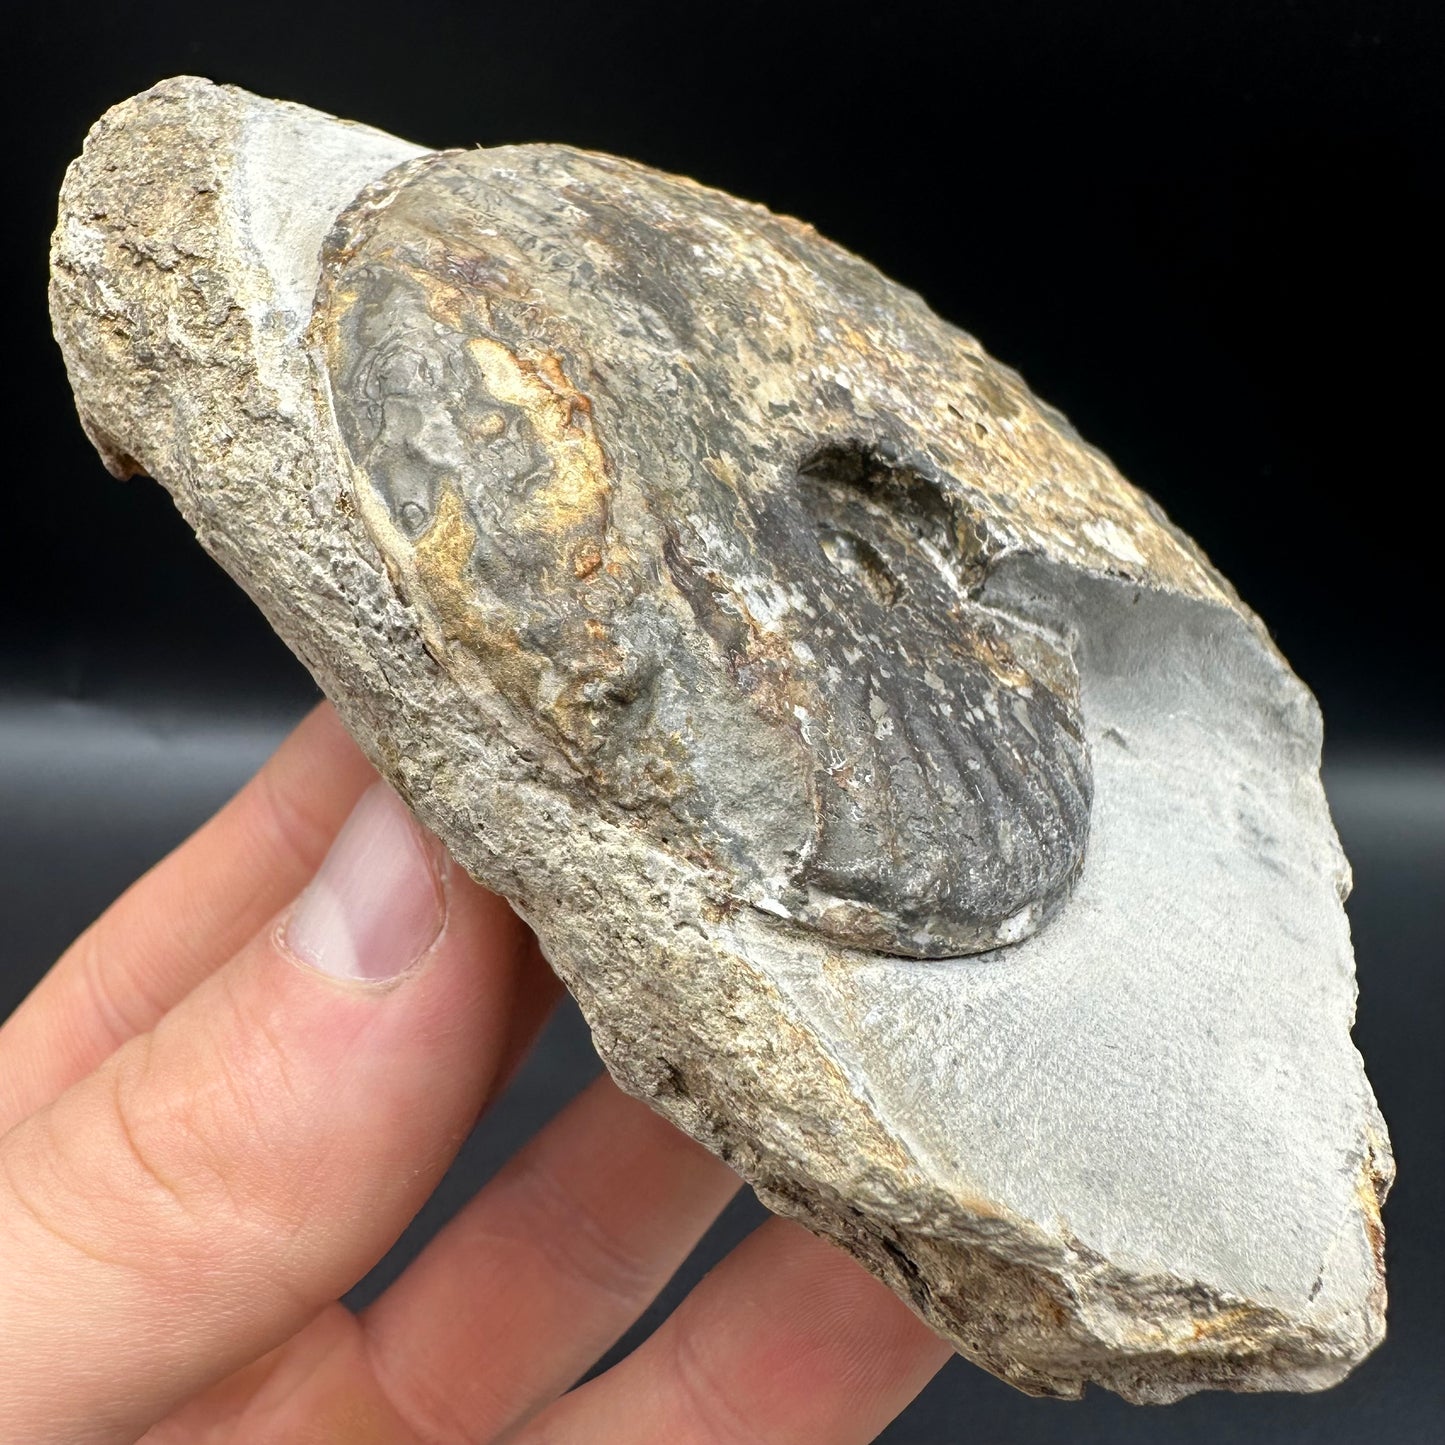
[376, 905]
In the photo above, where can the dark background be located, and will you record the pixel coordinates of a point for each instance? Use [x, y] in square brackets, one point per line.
[1205, 231]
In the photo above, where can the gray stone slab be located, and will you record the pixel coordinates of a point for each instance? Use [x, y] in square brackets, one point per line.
[918, 819]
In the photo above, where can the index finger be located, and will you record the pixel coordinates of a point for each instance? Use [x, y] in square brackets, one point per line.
[183, 918]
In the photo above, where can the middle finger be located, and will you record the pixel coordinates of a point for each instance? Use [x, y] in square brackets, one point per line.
[545, 1268]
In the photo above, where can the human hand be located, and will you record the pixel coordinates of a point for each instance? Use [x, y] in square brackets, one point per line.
[225, 1102]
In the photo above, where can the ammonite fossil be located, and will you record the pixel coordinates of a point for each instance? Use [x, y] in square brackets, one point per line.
[638, 468]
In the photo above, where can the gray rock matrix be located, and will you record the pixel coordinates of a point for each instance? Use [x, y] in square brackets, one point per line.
[918, 819]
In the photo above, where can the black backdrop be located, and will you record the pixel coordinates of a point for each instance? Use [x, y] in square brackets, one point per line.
[1205, 231]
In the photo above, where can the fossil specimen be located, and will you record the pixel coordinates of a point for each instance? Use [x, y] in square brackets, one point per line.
[919, 820]
[765, 651]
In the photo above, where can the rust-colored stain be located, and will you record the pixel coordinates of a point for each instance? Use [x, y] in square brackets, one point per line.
[996, 655]
[1371, 1186]
[442, 557]
[1226, 1325]
[575, 496]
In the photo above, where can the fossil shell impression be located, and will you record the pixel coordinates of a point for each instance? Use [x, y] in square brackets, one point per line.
[641, 469]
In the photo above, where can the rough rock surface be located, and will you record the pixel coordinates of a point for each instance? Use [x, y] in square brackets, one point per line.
[918, 819]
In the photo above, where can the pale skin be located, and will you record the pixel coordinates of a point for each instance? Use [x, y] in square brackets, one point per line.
[227, 1099]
